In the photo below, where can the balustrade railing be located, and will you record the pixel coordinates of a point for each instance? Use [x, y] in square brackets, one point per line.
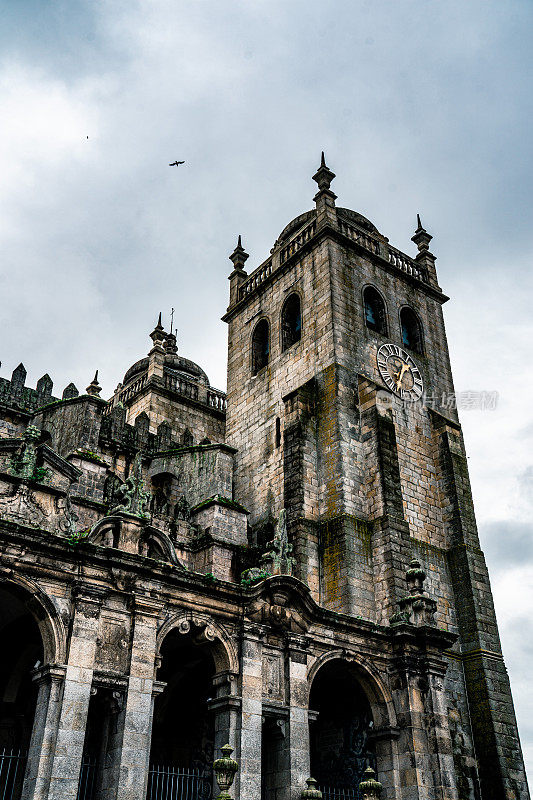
[134, 389]
[297, 242]
[12, 765]
[181, 386]
[256, 279]
[362, 238]
[216, 399]
[175, 783]
[406, 264]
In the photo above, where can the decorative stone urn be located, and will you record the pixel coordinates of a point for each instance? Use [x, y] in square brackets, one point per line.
[225, 769]
[369, 787]
[312, 792]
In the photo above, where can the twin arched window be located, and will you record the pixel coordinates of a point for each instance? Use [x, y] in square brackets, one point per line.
[291, 332]
[376, 320]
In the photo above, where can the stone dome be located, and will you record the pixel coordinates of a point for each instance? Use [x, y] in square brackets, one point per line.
[174, 364]
[344, 213]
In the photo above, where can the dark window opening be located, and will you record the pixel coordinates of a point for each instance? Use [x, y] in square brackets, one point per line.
[278, 432]
[291, 322]
[260, 346]
[375, 318]
[411, 330]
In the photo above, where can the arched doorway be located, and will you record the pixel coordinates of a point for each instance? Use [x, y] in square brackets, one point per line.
[182, 753]
[340, 731]
[22, 652]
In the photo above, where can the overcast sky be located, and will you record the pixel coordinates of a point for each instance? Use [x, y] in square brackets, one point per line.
[421, 106]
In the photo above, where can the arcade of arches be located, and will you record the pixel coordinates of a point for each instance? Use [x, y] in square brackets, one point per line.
[194, 705]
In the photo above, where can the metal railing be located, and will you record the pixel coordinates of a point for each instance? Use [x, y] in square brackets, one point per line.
[87, 779]
[177, 783]
[12, 764]
[340, 793]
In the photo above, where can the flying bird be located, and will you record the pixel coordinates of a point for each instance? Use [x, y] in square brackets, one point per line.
[176, 163]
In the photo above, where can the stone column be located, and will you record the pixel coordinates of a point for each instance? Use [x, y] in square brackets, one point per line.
[440, 737]
[138, 712]
[299, 745]
[43, 736]
[226, 707]
[252, 710]
[76, 695]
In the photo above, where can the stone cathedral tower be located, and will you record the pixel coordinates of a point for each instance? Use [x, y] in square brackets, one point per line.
[292, 568]
[341, 409]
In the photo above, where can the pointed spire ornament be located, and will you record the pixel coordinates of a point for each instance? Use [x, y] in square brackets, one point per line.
[94, 388]
[323, 176]
[239, 256]
[421, 237]
[158, 334]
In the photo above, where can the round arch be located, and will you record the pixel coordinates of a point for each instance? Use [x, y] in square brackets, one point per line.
[46, 615]
[222, 647]
[374, 303]
[377, 692]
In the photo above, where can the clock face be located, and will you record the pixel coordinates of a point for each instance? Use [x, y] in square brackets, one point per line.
[399, 372]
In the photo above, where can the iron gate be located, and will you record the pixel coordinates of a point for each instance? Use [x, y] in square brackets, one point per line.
[340, 793]
[87, 778]
[12, 764]
[177, 783]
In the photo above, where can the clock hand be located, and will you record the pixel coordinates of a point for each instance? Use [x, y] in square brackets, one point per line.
[405, 367]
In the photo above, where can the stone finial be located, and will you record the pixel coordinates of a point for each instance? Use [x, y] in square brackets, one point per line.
[239, 256]
[369, 787]
[158, 334]
[171, 346]
[312, 792]
[415, 577]
[417, 608]
[323, 176]
[94, 388]
[421, 237]
[70, 391]
[225, 769]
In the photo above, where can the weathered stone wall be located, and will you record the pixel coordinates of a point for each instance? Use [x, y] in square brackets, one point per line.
[182, 416]
[255, 401]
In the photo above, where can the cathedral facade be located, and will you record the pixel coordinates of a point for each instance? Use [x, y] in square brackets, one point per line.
[292, 568]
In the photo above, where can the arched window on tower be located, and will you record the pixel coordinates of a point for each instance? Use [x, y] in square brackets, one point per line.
[260, 346]
[411, 330]
[375, 318]
[291, 321]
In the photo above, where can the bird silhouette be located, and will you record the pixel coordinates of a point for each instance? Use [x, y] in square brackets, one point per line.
[176, 163]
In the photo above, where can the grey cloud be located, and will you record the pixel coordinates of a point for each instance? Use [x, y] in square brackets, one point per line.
[507, 543]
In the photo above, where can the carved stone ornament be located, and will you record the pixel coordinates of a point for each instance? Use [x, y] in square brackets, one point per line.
[278, 560]
[416, 609]
[277, 609]
[132, 497]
